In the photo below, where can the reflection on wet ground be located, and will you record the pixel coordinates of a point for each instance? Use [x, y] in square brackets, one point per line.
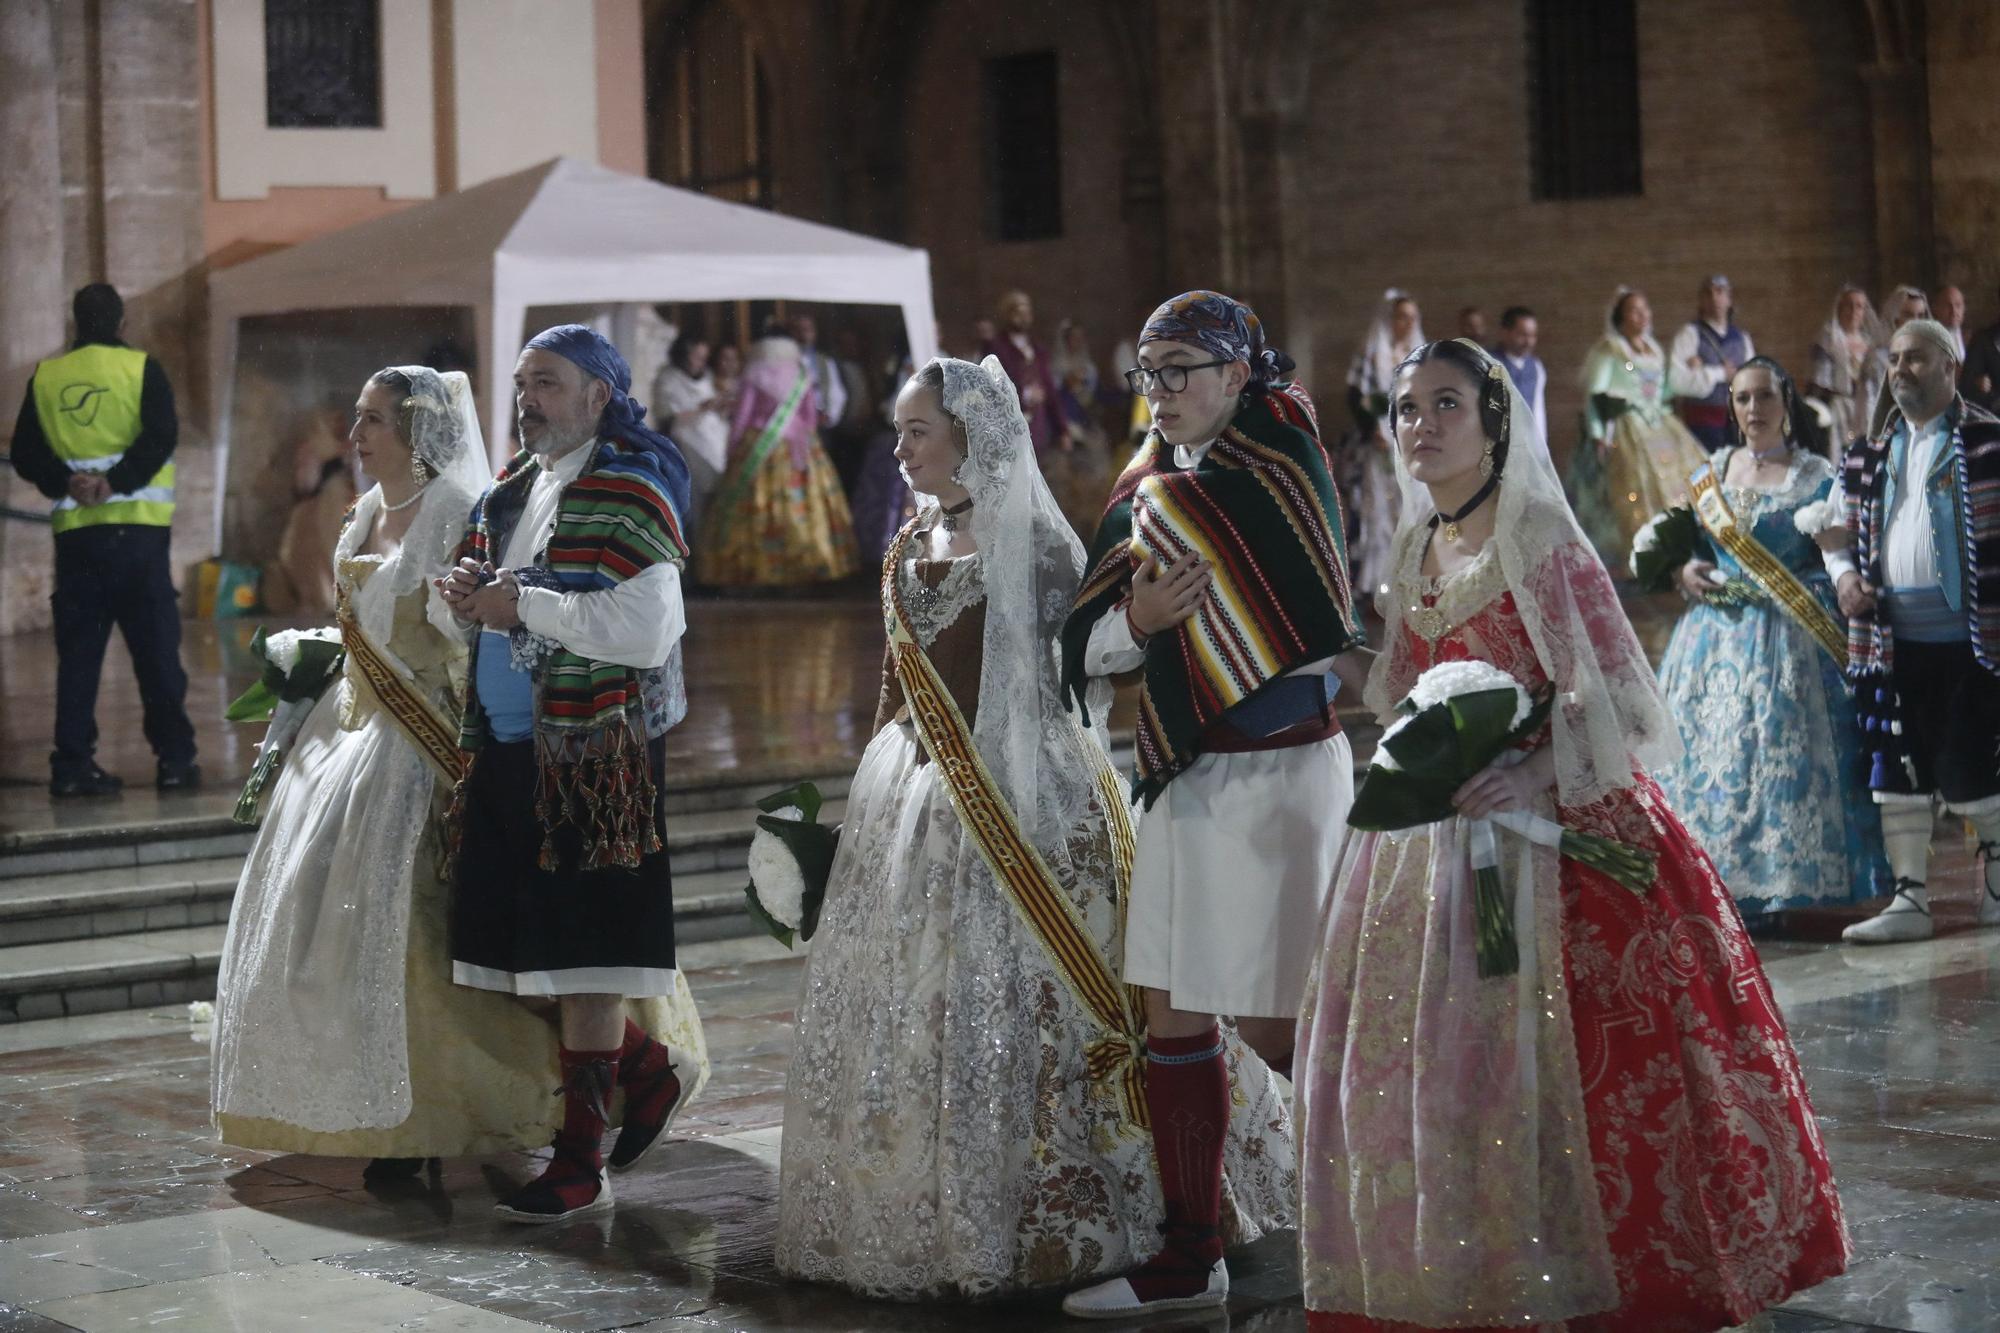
[118, 1209]
[776, 689]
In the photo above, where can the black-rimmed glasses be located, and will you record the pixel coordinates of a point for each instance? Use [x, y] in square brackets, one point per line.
[1173, 379]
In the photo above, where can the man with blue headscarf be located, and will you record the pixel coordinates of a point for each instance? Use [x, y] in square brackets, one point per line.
[570, 573]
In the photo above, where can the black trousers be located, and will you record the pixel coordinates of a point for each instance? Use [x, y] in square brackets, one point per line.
[1951, 719]
[118, 574]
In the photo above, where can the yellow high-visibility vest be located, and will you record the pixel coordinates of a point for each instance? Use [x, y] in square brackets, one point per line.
[88, 402]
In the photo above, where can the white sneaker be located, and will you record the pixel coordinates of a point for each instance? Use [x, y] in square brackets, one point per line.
[1906, 918]
[1116, 1299]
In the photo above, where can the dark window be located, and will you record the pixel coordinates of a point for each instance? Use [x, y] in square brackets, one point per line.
[323, 64]
[1023, 142]
[1583, 98]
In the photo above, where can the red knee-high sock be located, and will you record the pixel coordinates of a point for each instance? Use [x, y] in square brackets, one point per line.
[641, 1057]
[588, 1080]
[1187, 1097]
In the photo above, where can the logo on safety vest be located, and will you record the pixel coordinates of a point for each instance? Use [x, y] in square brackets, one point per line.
[79, 401]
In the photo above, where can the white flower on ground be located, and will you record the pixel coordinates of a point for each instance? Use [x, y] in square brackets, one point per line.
[1447, 680]
[1813, 519]
[774, 873]
[282, 649]
[201, 1011]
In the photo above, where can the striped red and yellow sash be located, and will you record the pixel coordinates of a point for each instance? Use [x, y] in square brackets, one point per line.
[435, 739]
[1765, 569]
[1115, 1060]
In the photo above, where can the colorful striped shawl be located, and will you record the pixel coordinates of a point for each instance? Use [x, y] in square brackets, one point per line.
[614, 520]
[1871, 649]
[1975, 449]
[1261, 509]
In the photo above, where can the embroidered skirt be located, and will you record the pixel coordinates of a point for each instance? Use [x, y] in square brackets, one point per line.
[522, 929]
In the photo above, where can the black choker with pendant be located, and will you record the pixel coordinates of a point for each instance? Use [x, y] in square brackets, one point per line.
[954, 517]
[1479, 497]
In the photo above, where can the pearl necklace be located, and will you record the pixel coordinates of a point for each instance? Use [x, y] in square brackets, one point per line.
[415, 496]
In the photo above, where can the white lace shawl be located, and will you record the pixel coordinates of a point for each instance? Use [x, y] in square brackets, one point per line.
[1610, 720]
[1031, 562]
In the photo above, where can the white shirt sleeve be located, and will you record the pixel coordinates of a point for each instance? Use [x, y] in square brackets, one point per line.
[1112, 648]
[827, 384]
[1685, 380]
[635, 624]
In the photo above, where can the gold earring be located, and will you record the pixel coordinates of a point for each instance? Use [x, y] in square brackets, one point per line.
[1486, 460]
[419, 470]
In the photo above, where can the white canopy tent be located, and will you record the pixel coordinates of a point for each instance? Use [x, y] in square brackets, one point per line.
[563, 233]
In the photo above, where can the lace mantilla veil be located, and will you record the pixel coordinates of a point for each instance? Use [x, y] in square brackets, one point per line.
[1610, 718]
[443, 426]
[1031, 562]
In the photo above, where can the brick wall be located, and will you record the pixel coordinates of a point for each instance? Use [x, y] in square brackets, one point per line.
[1102, 269]
[1964, 55]
[1755, 159]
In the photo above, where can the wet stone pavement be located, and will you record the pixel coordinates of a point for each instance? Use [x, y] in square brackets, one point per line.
[120, 1210]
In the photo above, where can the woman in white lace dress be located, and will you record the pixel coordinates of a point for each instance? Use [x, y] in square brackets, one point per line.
[338, 1030]
[960, 1118]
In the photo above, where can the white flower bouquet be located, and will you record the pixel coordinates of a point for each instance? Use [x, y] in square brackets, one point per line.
[791, 855]
[1669, 540]
[299, 664]
[1460, 718]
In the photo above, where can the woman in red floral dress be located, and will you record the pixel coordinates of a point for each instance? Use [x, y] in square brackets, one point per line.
[1617, 1137]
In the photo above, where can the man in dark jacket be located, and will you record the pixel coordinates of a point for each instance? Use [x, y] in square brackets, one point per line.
[96, 434]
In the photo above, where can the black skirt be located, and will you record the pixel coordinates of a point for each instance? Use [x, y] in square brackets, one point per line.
[518, 928]
[1951, 719]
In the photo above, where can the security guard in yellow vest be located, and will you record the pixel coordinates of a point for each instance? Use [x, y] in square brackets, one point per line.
[96, 434]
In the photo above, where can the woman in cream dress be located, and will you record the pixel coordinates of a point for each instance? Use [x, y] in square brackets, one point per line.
[338, 1029]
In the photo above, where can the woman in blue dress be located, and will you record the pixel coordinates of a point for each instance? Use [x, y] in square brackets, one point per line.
[1771, 782]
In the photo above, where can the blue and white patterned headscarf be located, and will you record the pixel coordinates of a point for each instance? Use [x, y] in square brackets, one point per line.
[624, 416]
[1222, 325]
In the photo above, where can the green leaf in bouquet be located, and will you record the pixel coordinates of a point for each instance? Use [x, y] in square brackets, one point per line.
[1677, 537]
[1427, 743]
[765, 922]
[1484, 725]
[319, 662]
[813, 847]
[253, 705]
[1539, 707]
[804, 795]
[1390, 799]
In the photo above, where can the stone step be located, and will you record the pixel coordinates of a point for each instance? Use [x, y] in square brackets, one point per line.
[67, 977]
[119, 900]
[124, 899]
[145, 928]
[213, 834]
[59, 978]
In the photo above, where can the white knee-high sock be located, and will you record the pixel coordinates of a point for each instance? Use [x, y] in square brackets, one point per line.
[1984, 816]
[1906, 837]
